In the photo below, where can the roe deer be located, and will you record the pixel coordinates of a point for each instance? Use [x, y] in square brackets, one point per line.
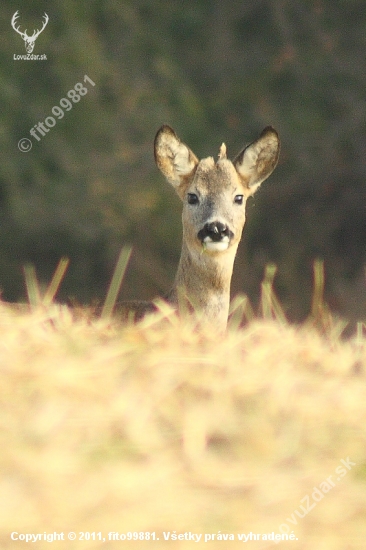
[214, 196]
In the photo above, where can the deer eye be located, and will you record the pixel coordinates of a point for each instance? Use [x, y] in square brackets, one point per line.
[192, 198]
[238, 199]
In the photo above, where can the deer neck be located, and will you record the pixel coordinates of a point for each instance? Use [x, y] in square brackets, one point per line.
[202, 282]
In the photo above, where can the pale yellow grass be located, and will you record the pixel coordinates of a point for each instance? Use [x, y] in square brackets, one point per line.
[159, 428]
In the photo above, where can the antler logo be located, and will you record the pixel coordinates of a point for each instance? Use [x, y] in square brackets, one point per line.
[28, 40]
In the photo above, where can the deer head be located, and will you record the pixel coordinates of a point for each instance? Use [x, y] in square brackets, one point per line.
[28, 40]
[214, 195]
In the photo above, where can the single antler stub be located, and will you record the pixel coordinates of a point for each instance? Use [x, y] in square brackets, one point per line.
[222, 152]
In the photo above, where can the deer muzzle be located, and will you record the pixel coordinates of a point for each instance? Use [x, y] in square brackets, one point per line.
[215, 236]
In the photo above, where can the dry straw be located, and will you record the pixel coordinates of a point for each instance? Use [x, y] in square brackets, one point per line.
[159, 427]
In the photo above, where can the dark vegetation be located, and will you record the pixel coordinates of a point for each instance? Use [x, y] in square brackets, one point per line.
[215, 71]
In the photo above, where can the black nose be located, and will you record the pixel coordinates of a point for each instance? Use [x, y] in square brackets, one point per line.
[215, 230]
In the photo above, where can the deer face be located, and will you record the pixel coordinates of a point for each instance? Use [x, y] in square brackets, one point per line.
[214, 194]
[29, 42]
[214, 206]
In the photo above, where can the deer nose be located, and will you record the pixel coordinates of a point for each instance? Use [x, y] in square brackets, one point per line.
[214, 232]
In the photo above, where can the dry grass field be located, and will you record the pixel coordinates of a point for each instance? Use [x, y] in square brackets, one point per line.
[159, 428]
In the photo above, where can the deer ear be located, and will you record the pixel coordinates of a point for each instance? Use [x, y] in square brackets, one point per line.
[173, 158]
[258, 160]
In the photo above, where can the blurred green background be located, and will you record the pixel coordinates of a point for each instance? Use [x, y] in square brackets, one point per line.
[215, 71]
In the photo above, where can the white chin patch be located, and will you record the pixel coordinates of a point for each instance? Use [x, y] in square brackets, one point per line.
[216, 246]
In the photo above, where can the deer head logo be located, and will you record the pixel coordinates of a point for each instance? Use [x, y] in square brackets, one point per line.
[28, 40]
